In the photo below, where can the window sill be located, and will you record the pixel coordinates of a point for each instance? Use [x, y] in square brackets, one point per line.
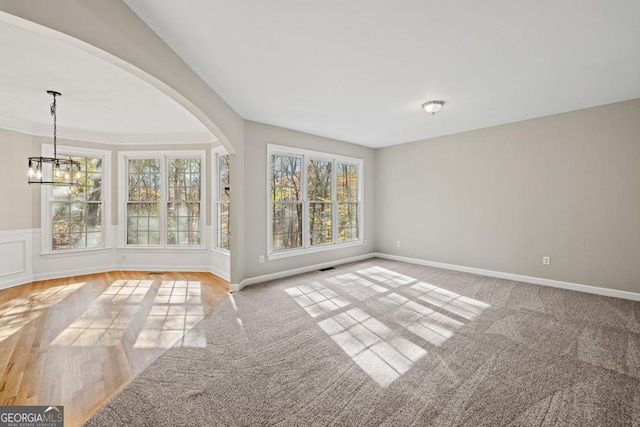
[306, 251]
[221, 251]
[75, 252]
[163, 248]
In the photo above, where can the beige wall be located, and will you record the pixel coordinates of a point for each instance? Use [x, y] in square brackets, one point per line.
[565, 186]
[17, 198]
[257, 136]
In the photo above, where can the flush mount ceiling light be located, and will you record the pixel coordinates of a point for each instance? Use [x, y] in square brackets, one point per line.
[53, 170]
[432, 106]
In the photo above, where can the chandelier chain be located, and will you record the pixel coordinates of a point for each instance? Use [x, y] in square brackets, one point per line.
[55, 125]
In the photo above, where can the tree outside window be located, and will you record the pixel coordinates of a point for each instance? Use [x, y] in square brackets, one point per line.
[223, 203]
[314, 199]
[77, 211]
[163, 201]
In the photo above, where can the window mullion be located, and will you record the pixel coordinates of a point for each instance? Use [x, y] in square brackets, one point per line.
[162, 208]
[334, 201]
[305, 203]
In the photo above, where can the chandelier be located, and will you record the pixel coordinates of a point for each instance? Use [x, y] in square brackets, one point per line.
[53, 170]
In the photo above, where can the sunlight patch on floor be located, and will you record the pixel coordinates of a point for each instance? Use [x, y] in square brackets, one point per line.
[386, 276]
[372, 345]
[316, 299]
[423, 321]
[452, 302]
[17, 312]
[106, 319]
[170, 310]
[430, 312]
[176, 309]
[356, 286]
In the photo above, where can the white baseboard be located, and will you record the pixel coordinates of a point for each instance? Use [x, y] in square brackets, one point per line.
[16, 281]
[160, 268]
[235, 287]
[225, 275]
[518, 278]
[71, 273]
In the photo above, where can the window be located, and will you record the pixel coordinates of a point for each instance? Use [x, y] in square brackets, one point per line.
[222, 202]
[163, 193]
[75, 218]
[143, 204]
[183, 206]
[314, 200]
[76, 211]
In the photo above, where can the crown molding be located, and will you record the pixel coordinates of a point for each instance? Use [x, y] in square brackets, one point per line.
[108, 138]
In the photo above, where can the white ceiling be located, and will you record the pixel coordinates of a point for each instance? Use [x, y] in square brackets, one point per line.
[359, 70]
[353, 70]
[100, 102]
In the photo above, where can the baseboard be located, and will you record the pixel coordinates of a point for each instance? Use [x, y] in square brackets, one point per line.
[159, 268]
[235, 287]
[518, 278]
[220, 273]
[103, 269]
[72, 273]
[16, 281]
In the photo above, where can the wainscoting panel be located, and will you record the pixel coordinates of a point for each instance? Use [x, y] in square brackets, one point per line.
[221, 264]
[15, 257]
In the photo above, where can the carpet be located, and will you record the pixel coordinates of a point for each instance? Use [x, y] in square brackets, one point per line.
[380, 342]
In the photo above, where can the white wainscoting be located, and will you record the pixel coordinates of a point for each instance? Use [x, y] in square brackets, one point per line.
[141, 259]
[21, 260]
[16, 262]
[221, 264]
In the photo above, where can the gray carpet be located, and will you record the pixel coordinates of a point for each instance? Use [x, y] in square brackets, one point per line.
[386, 343]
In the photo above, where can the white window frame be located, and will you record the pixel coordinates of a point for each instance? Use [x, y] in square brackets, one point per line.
[123, 191]
[314, 155]
[46, 197]
[215, 154]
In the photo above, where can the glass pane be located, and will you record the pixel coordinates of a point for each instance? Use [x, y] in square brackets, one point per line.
[154, 238]
[78, 240]
[347, 221]
[143, 222]
[286, 176]
[144, 179]
[347, 184]
[223, 225]
[287, 225]
[183, 223]
[319, 180]
[184, 180]
[320, 223]
[94, 240]
[223, 177]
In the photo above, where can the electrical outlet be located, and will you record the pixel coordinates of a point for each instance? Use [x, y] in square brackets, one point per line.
[546, 260]
[261, 259]
[364, 242]
[398, 243]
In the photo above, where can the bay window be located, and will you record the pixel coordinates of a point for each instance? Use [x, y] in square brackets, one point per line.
[162, 198]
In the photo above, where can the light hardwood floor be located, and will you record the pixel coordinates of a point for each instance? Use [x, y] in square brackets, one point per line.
[78, 341]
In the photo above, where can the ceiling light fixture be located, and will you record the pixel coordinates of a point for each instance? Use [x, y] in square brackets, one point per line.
[432, 106]
[53, 170]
